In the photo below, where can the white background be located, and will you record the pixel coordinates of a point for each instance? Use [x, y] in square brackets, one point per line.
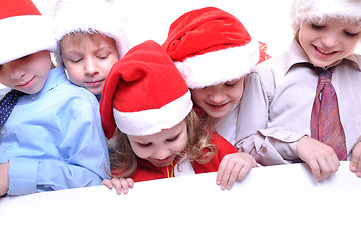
[267, 21]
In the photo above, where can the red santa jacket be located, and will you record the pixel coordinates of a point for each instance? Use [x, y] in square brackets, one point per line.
[147, 171]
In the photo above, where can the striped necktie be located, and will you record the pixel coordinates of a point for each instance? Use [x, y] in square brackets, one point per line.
[325, 118]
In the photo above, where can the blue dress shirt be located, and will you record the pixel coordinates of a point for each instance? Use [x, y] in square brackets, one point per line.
[54, 139]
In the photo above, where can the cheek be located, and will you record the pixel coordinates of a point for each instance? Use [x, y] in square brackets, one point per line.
[198, 96]
[352, 44]
[108, 66]
[140, 152]
[304, 37]
[236, 93]
[182, 143]
[74, 74]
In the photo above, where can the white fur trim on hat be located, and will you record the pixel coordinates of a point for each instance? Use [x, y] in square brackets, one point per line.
[24, 35]
[307, 10]
[152, 121]
[221, 66]
[72, 16]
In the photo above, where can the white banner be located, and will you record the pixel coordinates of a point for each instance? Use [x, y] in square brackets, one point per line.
[278, 202]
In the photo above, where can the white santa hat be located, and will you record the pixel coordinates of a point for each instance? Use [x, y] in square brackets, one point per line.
[94, 16]
[210, 46]
[144, 93]
[23, 30]
[318, 10]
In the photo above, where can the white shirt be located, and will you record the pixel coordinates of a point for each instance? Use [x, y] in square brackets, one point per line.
[275, 111]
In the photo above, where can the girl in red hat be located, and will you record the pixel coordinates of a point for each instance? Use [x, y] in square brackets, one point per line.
[158, 134]
[214, 52]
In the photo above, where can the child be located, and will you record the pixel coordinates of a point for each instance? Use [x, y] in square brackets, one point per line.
[280, 97]
[53, 138]
[90, 40]
[213, 51]
[159, 136]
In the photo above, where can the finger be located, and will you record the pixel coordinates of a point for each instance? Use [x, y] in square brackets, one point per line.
[234, 174]
[229, 175]
[325, 170]
[244, 171]
[106, 182]
[353, 163]
[328, 165]
[124, 186]
[221, 169]
[130, 182]
[355, 158]
[355, 166]
[117, 185]
[315, 168]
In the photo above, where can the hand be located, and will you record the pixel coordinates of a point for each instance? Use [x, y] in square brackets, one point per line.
[4, 178]
[355, 163]
[321, 158]
[234, 167]
[120, 184]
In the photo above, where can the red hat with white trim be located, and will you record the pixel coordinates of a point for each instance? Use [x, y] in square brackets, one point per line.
[144, 93]
[210, 46]
[23, 30]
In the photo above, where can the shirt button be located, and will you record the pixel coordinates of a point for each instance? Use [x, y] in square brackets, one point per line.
[288, 138]
[2, 131]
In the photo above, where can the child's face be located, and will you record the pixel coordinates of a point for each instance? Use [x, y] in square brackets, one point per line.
[219, 99]
[329, 42]
[161, 148]
[89, 60]
[27, 74]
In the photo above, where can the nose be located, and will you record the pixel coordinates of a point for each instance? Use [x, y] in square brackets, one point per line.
[330, 40]
[216, 95]
[161, 153]
[91, 68]
[16, 69]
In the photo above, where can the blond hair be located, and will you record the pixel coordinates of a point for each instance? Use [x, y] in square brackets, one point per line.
[123, 161]
[76, 38]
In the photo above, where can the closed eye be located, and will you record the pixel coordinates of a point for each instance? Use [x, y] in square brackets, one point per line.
[317, 27]
[230, 84]
[172, 139]
[144, 144]
[103, 56]
[76, 60]
[349, 34]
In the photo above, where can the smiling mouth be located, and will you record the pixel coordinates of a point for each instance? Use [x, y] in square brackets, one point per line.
[320, 50]
[217, 105]
[162, 160]
[26, 83]
[93, 82]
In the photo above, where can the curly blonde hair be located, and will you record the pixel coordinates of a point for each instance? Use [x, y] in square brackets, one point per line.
[123, 161]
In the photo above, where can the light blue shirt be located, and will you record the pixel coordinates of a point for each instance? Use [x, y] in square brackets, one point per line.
[54, 139]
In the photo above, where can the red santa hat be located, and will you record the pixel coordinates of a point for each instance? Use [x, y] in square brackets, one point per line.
[317, 10]
[210, 46]
[23, 30]
[95, 16]
[144, 93]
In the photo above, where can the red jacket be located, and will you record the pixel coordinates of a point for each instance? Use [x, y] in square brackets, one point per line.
[147, 171]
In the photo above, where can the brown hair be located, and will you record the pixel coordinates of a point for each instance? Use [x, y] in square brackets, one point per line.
[123, 161]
